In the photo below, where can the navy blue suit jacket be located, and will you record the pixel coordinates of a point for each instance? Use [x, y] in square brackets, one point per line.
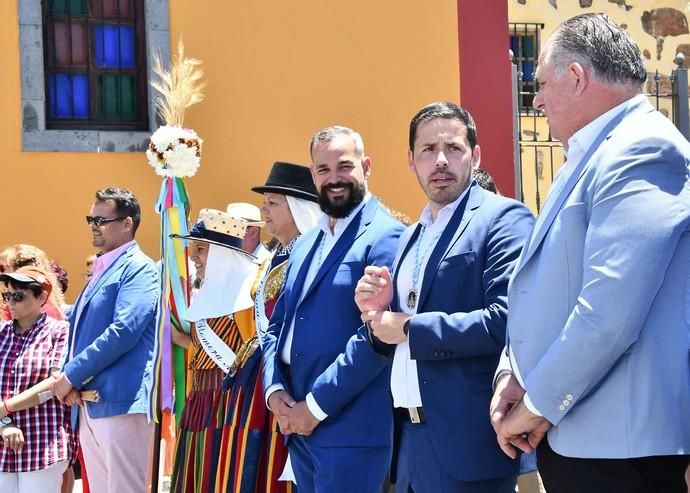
[330, 354]
[460, 326]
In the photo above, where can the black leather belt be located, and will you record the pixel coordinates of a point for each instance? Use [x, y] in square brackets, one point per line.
[414, 415]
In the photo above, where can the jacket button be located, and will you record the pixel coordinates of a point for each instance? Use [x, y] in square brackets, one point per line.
[561, 407]
[569, 397]
[435, 353]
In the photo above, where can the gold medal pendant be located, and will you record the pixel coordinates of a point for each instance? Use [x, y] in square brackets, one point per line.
[412, 298]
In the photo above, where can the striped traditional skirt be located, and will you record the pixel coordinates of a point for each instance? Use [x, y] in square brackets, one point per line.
[252, 449]
[197, 456]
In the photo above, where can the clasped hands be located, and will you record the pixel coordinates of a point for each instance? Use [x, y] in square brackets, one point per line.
[515, 425]
[373, 294]
[292, 416]
[64, 390]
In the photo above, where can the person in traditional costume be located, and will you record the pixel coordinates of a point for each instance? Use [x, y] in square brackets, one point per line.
[216, 339]
[256, 452]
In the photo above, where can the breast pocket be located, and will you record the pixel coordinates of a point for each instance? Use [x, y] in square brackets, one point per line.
[457, 261]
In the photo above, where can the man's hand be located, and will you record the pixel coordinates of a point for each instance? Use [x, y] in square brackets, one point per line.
[280, 403]
[13, 438]
[302, 421]
[374, 291]
[522, 429]
[61, 387]
[387, 326]
[73, 398]
[508, 392]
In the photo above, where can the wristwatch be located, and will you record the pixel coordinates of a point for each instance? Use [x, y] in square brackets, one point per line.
[6, 421]
[406, 327]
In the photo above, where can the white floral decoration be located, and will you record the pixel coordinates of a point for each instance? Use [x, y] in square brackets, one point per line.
[174, 151]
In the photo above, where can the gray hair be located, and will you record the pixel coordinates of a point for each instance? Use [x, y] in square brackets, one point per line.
[328, 134]
[601, 46]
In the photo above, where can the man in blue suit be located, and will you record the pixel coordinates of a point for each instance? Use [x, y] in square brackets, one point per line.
[112, 331]
[323, 381]
[597, 352]
[446, 324]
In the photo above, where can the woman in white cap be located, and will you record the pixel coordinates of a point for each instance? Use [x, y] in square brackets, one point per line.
[37, 442]
[257, 452]
[216, 336]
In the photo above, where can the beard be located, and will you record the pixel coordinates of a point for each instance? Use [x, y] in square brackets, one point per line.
[343, 207]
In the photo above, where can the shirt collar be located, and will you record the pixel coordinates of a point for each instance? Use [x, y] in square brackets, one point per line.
[324, 220]
[104, 261]
[585, 137]
[446, 211]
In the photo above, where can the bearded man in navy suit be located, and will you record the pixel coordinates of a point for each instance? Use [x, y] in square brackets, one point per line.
[323, 380]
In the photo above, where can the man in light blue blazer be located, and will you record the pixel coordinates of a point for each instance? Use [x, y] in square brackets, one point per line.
[322, 379]
[597, 352]
[111, 342]
[445, 327]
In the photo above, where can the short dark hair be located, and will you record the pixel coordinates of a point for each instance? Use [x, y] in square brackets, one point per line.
[32, 286]
[126, 204]
[448, 110]
[598, 43]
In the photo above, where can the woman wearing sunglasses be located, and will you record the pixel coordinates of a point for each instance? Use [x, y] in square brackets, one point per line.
[37, 442]
[24, 255]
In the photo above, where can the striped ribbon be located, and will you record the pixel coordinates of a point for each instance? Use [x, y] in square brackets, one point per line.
[170, 361]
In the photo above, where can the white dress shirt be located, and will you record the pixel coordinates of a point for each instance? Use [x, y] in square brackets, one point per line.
[404, 377]
[578, 145]
[328, 241]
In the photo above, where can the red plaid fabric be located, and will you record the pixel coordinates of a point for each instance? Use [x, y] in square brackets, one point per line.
[25, 360]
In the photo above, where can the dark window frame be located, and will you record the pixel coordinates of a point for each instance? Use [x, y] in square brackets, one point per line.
[141, 123]
[528, 88]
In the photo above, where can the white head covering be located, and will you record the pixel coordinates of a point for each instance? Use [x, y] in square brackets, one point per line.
[304, 212]
[227, 283]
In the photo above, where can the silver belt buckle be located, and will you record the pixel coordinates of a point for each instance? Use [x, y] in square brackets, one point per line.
[414, 415]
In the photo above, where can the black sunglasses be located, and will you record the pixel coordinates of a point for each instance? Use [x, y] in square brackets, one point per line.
[99, 221]
[16, 296]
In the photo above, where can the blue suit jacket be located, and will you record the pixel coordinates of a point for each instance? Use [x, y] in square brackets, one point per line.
[458, 332]
[114, 336]
[600, 300]
[330, 355]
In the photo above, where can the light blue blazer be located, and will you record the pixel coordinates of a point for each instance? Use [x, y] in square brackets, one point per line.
[599, 304]
[114, 336]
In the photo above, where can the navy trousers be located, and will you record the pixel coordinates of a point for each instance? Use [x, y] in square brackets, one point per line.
[338, 469]
[420, 471]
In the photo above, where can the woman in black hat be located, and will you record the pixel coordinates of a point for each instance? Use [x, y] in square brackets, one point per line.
[258, 454]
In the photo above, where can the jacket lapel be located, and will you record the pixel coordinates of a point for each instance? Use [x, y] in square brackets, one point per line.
[553, 205]
[411, 238]
[302, 258]
[115, 267]
[354, 230]
[455, 228]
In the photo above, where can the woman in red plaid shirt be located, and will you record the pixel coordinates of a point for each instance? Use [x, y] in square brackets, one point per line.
[37, 442]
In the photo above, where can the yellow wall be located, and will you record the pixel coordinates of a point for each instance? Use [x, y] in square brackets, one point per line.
[541, 11]
[276, 72]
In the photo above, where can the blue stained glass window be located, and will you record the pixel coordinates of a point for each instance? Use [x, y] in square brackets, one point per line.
[527, 71]
[114, 46]
[69, 96]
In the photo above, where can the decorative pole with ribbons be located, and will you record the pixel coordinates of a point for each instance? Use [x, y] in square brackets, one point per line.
[174, 153]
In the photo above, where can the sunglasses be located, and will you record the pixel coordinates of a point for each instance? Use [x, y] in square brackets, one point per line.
[99, 221]
[16, 296]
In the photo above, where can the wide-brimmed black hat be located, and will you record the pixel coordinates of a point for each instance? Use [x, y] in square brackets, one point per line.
[290, 179]
[218, 228]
